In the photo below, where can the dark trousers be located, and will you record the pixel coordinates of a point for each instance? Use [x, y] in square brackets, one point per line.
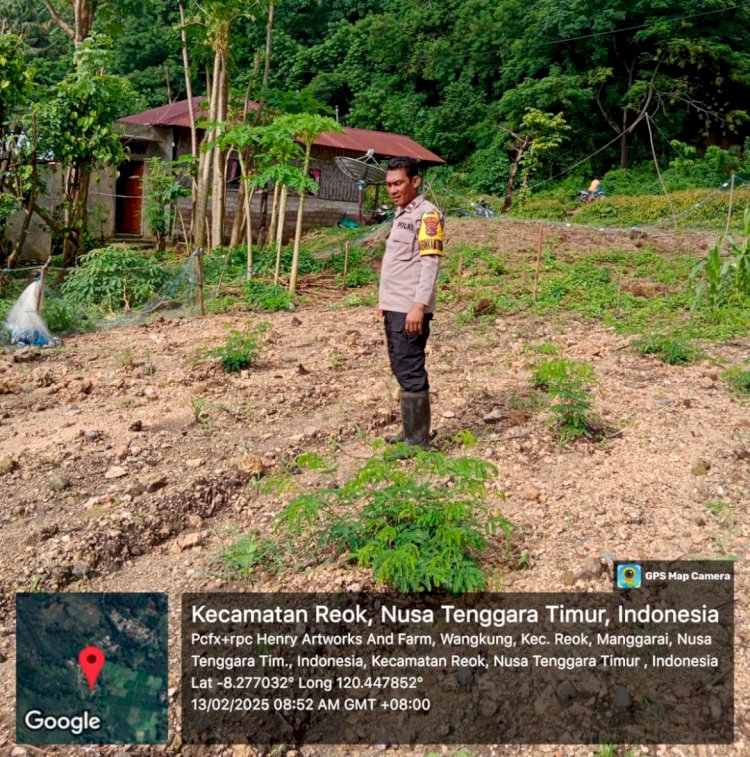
[406, 352]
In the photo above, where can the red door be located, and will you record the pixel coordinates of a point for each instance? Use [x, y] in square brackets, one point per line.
[129, 202]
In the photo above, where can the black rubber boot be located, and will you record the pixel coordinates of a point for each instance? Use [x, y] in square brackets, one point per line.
[395, 438]
[415, 412]
[398, 437]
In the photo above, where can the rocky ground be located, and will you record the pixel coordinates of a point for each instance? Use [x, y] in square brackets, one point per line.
[125, 458]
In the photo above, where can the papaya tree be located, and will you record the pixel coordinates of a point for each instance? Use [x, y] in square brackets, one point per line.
[307, 127]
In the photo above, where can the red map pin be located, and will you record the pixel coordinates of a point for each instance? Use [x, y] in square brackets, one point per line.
[91, 659]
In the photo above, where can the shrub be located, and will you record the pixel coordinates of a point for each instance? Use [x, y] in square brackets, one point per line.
[114, 277]
[572, 413]
[268, 297]
[549, 375]
[245, 555]
[60, 317]
[358, 277]
[403, 521]
[241, 349]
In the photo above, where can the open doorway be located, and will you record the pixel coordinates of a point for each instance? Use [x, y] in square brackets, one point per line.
[129, 200]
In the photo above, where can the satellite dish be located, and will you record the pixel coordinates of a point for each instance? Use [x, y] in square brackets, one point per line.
[364, 168]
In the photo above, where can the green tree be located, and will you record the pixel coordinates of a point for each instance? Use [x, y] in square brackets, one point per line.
[538, 135]
[77, 127]
[17, 168]
[686, 60]
[307, 128]
[165, 184]
[217, 18]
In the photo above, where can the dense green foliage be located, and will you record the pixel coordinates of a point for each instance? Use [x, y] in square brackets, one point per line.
[456, 74]
[270, 297]
[401, 520]
[114, 277]
[671, 350]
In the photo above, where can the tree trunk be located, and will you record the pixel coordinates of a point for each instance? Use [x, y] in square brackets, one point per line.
[218, 202]
[76, 196]
[238, 224]
[262, 225]
[280, 233]
[624, 141]
[520, 150]
[83, 18]
[27, 201]
[274, 209]
[248, 200]
[191, 112]
[298, 227]
[204, 174]
[24, 230]
[269, 40]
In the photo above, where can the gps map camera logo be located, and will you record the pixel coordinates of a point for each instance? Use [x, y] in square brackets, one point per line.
[629, 576]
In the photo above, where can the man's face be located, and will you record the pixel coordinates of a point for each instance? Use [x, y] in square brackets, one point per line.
[401, 188]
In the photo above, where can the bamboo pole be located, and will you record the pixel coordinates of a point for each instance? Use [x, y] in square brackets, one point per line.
[280, 233]
[731, 203]
[538, 262]
[459, 275]
[346, 262]
[199, 262]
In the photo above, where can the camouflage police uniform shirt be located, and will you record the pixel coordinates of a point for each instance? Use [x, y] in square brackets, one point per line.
[412, 258]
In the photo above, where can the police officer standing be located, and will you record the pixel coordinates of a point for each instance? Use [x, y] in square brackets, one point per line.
[407, 294]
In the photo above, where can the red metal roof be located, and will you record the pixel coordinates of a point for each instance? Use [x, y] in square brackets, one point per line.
[385, 144]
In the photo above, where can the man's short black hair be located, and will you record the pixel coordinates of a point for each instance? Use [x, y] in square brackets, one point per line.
[410, 164]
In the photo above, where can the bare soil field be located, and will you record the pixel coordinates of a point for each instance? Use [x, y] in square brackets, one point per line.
[125, 459]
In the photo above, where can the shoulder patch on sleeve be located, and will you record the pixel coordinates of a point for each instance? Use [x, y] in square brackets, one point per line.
[430, 237]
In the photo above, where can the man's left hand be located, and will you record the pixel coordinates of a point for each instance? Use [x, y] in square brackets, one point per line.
[414, 319]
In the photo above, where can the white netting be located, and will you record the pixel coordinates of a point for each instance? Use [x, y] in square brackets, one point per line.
[25, 324]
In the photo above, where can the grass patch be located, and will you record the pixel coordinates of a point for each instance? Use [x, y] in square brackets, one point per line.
[267, 297]
[242, 557]
[673, 350]
[738, 378]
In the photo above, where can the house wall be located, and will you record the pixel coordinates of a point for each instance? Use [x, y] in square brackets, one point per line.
[38, 241]
[143, 142]
[338, 194]
[334, 185]
[318, 212]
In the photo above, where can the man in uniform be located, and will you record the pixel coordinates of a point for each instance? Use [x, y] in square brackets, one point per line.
[407, 294]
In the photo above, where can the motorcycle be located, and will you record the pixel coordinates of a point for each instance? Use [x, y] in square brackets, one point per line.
[380, 215]
[585, 196]
[480, 208]
[483, 209]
